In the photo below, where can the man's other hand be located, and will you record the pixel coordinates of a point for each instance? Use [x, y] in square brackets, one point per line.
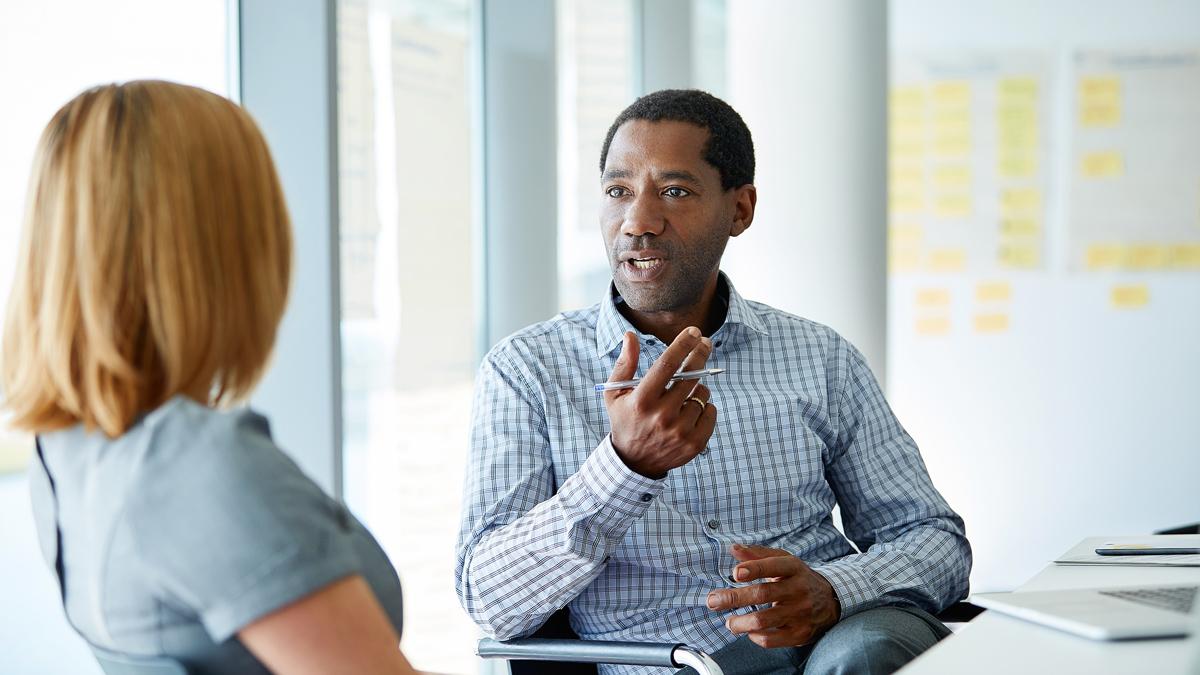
[802, 603]
[660, 425]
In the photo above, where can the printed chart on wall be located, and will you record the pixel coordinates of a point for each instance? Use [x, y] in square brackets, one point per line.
[1135, 179]
[1044, 267]
[969, 146]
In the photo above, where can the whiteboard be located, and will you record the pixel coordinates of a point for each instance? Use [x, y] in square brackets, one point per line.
[1043, 293]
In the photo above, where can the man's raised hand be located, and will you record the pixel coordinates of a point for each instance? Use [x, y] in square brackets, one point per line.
[660, 425]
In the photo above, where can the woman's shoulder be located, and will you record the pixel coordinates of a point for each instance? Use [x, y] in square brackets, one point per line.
[201, 464]
[195, 442]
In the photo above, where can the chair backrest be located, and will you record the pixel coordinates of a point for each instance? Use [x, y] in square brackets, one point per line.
[113, 663]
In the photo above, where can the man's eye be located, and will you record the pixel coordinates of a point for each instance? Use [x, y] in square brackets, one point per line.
[615, 191]
[676, 192]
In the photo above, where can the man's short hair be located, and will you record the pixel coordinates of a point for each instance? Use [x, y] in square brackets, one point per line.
[729, 149]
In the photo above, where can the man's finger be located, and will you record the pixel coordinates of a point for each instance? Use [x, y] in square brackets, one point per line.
[694, 405]
[745, 552]
[656, 379]
[679, 391]
[706, 424]
[762, 620]
[626, 365]
[747, 596]
[784, 636]
[768, 568]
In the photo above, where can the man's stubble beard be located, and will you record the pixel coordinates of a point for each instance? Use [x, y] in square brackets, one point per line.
[683, 287]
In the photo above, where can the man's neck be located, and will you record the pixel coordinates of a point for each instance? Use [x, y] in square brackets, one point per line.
[708, 314]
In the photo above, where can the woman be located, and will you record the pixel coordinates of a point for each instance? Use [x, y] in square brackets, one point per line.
[155, 262]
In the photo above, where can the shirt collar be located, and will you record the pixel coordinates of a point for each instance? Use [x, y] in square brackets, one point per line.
[611, 324]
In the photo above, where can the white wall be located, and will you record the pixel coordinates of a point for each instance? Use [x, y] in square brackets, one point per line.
[1079, 419]
[810, 80]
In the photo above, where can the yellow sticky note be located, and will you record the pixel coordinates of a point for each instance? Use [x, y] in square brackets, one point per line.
[1020, 255]
[952, 176]
[993, 291]
[1185, 255]
[907, 129]
[906, 201]
[1020, 226]
[952, 146]
[1130, 297]
[953, 205]
[1017, 164]
[1095, 89]
[1016, 115]
[1017, 88]
[1102, 164]
[1015, 138]
[991, 323]
[908, 233]
[906, 175]
[903, 260]
[1020, 200]
[947, 126]
[1099, 101]
[907, 97]
[947, 260]
[933, 325]
[1100, 115]
[952, 94]
[1148, 257]
[933, 297]
[1105, 256]
[906, 148]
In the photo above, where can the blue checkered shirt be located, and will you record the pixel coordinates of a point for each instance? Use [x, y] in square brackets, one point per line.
[553, 517]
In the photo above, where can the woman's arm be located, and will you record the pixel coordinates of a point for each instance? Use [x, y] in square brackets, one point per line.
[340, 628]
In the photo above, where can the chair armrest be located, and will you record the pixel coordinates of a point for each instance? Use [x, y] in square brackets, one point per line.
[597, 651]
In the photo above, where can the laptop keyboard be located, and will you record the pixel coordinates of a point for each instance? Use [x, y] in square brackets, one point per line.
[1179, 599]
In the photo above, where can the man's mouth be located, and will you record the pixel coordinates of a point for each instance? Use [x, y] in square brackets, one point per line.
[645, 263]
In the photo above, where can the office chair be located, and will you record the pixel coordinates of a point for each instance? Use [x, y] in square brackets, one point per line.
[555, 649]
[113, 663]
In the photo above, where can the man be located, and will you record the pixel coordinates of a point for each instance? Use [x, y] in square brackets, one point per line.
[648, 517]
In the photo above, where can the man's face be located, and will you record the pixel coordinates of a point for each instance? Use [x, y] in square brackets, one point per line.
[664, 216]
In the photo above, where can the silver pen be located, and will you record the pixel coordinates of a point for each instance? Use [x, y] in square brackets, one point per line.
[686, 375]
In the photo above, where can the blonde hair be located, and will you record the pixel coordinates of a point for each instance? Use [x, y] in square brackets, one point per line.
[155, 259]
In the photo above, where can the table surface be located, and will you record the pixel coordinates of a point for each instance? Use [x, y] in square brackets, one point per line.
[995, 643]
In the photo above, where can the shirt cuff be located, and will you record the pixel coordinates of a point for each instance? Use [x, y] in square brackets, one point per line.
[851, 584]
[620, 494]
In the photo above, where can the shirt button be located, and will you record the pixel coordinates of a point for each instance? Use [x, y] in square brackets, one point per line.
[704, 451]
[712, 524]
[647, 497]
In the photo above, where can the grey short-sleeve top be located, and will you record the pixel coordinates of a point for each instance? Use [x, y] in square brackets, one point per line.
[187, 528]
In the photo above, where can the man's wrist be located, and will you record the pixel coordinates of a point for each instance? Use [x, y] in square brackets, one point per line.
[636, 467]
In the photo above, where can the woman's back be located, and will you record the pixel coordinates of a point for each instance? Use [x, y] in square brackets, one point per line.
[186, 528]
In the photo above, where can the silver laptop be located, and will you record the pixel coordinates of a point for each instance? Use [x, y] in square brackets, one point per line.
[1122, 613]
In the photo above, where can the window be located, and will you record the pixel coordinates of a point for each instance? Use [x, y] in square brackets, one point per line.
[51, 50]
[408, 319]
[595, 83]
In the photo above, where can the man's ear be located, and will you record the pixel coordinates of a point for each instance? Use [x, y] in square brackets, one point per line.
[745, 199]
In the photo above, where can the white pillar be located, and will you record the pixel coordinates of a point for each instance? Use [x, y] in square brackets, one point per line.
[810, 79]
[288, 82]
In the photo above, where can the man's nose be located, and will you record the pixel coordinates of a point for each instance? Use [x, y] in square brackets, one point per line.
[644, 216]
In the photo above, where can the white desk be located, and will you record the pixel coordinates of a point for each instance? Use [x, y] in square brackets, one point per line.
[995, 643]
